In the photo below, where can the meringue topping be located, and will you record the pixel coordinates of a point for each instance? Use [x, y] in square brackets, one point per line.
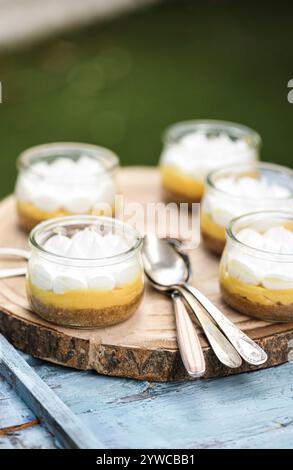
[256, 270]
[73, 185]
[85, 244]
[196, 153]
[244, 194]
[246, 186]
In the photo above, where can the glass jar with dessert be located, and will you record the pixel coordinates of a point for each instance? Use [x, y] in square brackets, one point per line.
[256, 269]
[62, 179]
[194, 148]
[85, 271]
[239, 189]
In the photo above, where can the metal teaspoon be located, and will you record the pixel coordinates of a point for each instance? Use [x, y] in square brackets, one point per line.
[175, 272]
[166, 271]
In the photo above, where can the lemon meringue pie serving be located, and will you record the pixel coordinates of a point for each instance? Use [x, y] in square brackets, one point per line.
[85, 271]
[194, 148]
[62, 179]
[240, 189]
[256, 270]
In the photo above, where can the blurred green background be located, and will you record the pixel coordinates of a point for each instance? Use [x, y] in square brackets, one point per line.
[120, 83]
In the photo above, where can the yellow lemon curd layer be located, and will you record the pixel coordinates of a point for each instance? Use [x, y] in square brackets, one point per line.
[29, 210]
[256, 294]
[209, 227]
[89, 298]
[177, 181]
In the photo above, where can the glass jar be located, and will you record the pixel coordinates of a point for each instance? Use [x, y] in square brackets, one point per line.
[75, 280]
[239, 189]
[61, 179]
[256, 269]
[194, 148]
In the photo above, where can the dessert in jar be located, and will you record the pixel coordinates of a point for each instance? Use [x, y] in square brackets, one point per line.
[194, 148]
[231, 192]
[256, 270]
[61, 179]
[85, 271]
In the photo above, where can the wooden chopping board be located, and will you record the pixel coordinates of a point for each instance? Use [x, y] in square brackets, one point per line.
[144, 347]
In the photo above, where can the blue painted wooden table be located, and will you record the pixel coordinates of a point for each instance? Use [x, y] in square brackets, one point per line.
[251, 410]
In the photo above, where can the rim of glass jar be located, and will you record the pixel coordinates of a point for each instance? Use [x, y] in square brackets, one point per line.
[210, 180]
[60, 222]
[175, 132]
[24, 160]
[258, 216]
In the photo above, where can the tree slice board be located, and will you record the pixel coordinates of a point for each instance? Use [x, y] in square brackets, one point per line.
[144, 347]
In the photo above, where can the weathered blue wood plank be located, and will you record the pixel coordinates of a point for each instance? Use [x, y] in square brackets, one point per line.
[242, 411]
[198, 414]
[12, 409]
[46, 405]
[13, 412]
[35, 437]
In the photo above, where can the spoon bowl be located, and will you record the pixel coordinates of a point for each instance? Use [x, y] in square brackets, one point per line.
[169, 270]
[163, 268]
[164, 265]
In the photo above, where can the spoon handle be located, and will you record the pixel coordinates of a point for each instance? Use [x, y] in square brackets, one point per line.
[12, 272]
[188, 340]
[11, 252]
[246, 347]
[18, 252]
[224, 350]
